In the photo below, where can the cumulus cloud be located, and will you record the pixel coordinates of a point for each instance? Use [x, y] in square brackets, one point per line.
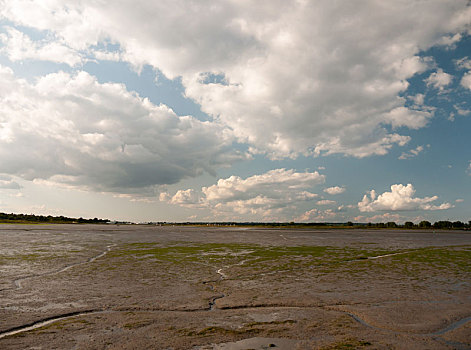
[288, 77]
[466, 81]
[439, 79]
[17, 46]
[72, 130]
[450, 40]
[184, 197]
[463, 63]
[317, 215]
[401, 198]
[402, 116]
[418, 99]
[272, 194]
[334, 190]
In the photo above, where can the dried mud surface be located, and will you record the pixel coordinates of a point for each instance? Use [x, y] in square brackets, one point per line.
[150, 287]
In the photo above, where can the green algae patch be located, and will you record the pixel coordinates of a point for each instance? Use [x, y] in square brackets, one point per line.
[325, 259]
[450, 258]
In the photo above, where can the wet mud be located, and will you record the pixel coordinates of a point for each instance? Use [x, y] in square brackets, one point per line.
[127, 287]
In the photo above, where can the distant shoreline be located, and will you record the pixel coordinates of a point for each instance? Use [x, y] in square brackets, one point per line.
[261, 225]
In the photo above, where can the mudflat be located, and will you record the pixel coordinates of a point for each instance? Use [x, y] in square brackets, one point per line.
[182, 287]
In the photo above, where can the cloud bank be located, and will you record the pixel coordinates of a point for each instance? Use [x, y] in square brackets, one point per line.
[72, 130]
[287, 77]
[274, 194]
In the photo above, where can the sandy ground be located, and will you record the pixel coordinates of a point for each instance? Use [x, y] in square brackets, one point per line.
[147, 287]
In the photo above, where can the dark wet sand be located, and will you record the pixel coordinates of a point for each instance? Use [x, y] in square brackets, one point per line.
[136, 287]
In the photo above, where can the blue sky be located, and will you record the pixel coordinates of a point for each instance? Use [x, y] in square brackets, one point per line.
[240, 111]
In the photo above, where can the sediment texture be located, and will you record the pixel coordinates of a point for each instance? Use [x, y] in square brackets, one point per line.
[132, 286]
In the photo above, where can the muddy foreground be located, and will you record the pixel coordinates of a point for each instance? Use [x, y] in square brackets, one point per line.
[146, 287]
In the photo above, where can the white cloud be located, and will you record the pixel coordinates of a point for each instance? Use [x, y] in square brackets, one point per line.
[185, 197]
[331, 214]
[314, 215]
[399, 199]
[72, 130]
[380, 147]
[334, 190]
[326, 202]
[450, 40]
[469, 168]
[299, 77]
[463, 63]
[439, 79]
[459, 200]
[165, 197]
[418, 99]
[461, 111]
[288, 180]
[275, 193]
[412, 153]
[18, 46]
[466, 80]
[402, 116]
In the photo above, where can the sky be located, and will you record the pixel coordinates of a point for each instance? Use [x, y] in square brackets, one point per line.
[236, 110]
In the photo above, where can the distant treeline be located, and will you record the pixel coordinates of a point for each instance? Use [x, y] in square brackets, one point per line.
[4, 217]
[31, 218]
[408, 224]
[423, 224]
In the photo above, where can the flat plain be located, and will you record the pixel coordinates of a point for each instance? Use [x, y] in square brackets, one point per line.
[183, 287]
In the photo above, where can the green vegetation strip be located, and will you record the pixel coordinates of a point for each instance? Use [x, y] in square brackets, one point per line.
[290, 257]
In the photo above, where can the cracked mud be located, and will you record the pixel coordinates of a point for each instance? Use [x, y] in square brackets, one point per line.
[130, 287]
